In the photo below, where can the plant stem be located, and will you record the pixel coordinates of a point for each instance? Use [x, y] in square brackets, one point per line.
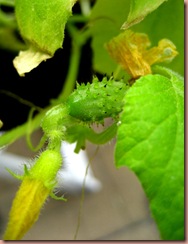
[14, 134]
[9, 3]
[7, 20]
[85, 7]
[117, 71]
[72, 72]
[78, 19]
[79, 38]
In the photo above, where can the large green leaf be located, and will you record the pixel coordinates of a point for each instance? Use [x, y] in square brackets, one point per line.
[150, 141]
[139, 9]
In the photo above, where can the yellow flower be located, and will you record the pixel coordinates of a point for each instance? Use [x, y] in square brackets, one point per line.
[26, 208]
[130, 50]
[38, 183]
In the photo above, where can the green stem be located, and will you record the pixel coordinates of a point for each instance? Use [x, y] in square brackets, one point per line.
[1, 123]
[72, 73]
[14, 134]
[78, 19]
[85, 7]
[8, 20]
[79, 38]
[117, 71]
[80, 133]
[9, 3]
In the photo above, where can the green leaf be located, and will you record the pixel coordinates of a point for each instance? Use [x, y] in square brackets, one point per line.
[139, 9]
[150, 141]
[41, 24]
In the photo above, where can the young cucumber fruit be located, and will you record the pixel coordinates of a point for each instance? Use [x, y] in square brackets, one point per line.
[98, 100]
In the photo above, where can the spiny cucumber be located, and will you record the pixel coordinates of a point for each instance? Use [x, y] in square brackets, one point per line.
[97, 100]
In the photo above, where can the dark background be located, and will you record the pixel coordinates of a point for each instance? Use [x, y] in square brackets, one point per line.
[41, 84]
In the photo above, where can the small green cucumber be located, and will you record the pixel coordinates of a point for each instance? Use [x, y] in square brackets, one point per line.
[97, 100]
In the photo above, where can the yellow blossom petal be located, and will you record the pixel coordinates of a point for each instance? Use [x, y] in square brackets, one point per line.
[38, 183]
[130, 50]
[164, 52]
[26, 208]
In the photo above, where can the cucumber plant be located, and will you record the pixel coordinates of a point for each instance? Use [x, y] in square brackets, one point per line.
[144, 100]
